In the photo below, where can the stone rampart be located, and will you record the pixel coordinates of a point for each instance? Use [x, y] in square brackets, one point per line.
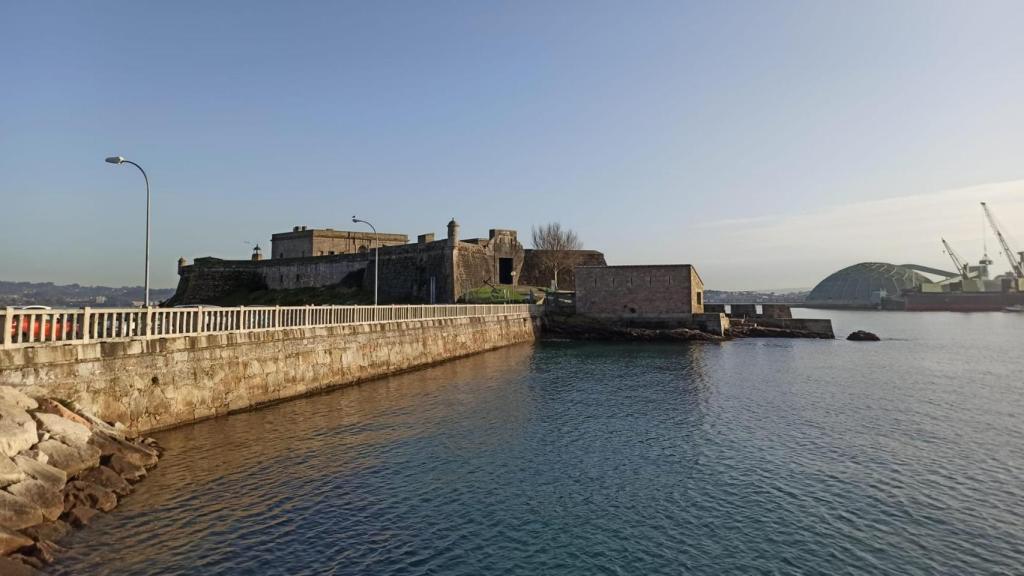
[163, 382]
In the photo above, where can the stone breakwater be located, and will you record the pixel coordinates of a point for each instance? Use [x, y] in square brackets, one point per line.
[164, 382]
[59, 468]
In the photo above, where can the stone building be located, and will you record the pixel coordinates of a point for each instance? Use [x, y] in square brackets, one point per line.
[660, 294]
[427, 271]
[302, 242]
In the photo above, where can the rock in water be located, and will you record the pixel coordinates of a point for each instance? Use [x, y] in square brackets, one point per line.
[107, 478]
[136, 453]
[52, 531]
[80, 493]
[81, 515]
[863, 336]
[11, 567]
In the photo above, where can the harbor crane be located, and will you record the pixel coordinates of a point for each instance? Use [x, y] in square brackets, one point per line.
[960, 263]
[1015, 258]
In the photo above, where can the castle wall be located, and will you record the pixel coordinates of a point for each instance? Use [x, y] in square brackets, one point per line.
[406, 273]
[210, 279]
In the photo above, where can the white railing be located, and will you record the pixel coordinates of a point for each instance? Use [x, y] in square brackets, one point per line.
[82, 325]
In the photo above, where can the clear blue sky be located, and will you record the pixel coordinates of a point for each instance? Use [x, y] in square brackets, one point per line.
[635, 123]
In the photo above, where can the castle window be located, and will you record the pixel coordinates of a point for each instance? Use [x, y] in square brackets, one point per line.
[298, 277]
[700, 298]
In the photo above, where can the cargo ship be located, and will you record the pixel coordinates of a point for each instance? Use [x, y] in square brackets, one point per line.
[962, 301]
[971, 289]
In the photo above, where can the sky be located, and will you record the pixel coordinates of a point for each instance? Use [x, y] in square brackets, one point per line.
[768, 143]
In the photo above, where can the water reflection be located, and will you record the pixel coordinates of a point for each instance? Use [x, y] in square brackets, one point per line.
[579, 458]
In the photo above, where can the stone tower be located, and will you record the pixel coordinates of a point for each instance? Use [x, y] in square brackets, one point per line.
[453, 232]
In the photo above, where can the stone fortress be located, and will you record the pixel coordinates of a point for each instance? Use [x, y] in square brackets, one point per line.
[428, 271]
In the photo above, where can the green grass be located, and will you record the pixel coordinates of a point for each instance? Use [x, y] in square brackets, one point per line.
[498, 295]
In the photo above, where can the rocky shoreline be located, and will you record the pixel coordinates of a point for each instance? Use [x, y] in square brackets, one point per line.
[577, 328]
[59, 468]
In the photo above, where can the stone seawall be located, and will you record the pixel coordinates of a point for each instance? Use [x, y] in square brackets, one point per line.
[159, 383]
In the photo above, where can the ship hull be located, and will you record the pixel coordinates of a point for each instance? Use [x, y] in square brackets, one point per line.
[963, 301]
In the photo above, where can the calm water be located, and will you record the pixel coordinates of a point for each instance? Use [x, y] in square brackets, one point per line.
[757, 456]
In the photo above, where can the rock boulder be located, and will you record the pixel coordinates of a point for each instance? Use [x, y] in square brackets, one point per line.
[107, 478]
[9, 472]
[81, 493]
[14, 396]
[11, 567]
[17, 429]
[136, 453]
[63, 429]
[52, 531]
[54, 477]
[53, 407]
[10, 541]
[862, 336]
[49, 501]
[81, 516]
[17, 513]
[72, 459]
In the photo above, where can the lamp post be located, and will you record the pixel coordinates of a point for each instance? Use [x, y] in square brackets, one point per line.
[121, 160]
[376, 256]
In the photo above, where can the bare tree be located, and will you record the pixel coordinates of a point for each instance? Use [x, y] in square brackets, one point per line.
[557, 248]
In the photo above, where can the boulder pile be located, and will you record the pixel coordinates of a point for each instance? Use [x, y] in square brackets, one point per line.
[59, 468]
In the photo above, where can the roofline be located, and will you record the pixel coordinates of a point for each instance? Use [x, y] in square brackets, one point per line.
[640, 266]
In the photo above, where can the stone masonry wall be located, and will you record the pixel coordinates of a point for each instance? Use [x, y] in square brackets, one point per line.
[673, 291]
[153, 384]
[406, 271]
[211, 278]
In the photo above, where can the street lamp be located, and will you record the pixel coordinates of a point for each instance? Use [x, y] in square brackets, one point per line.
[121, 160]
[376, 255]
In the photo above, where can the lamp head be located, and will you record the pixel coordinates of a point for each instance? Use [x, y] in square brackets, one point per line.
[115, 160]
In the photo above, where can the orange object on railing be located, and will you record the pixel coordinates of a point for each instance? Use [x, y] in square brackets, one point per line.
[42, 328]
